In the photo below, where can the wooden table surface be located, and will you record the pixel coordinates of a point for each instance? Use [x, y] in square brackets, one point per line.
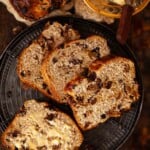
[8, 24]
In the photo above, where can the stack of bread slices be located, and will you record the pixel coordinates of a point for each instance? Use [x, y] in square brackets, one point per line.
[79, 72]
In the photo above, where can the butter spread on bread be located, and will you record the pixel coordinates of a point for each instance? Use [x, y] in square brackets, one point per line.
[39, 126]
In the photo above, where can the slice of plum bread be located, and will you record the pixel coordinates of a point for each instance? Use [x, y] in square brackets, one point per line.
[39, 126]
[102, 91]
[62, 64]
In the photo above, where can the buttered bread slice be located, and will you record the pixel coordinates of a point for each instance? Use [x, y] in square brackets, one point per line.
[31, 58]
[102, 91]
[38, 126]
[62, 64]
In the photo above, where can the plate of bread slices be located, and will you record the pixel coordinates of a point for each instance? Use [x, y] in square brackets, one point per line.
[65, 84]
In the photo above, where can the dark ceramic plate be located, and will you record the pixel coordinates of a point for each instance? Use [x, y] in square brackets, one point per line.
[109, 135]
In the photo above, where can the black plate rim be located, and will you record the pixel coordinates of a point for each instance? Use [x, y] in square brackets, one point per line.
[72, 17]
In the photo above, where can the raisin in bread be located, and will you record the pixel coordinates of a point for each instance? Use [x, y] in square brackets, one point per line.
[39, 126]
[30, 59]
[62, 64]
[102, 91]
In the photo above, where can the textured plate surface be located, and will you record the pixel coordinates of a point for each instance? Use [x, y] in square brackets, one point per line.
[108, 136]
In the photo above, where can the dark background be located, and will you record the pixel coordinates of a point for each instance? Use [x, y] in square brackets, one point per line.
[139, 41]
